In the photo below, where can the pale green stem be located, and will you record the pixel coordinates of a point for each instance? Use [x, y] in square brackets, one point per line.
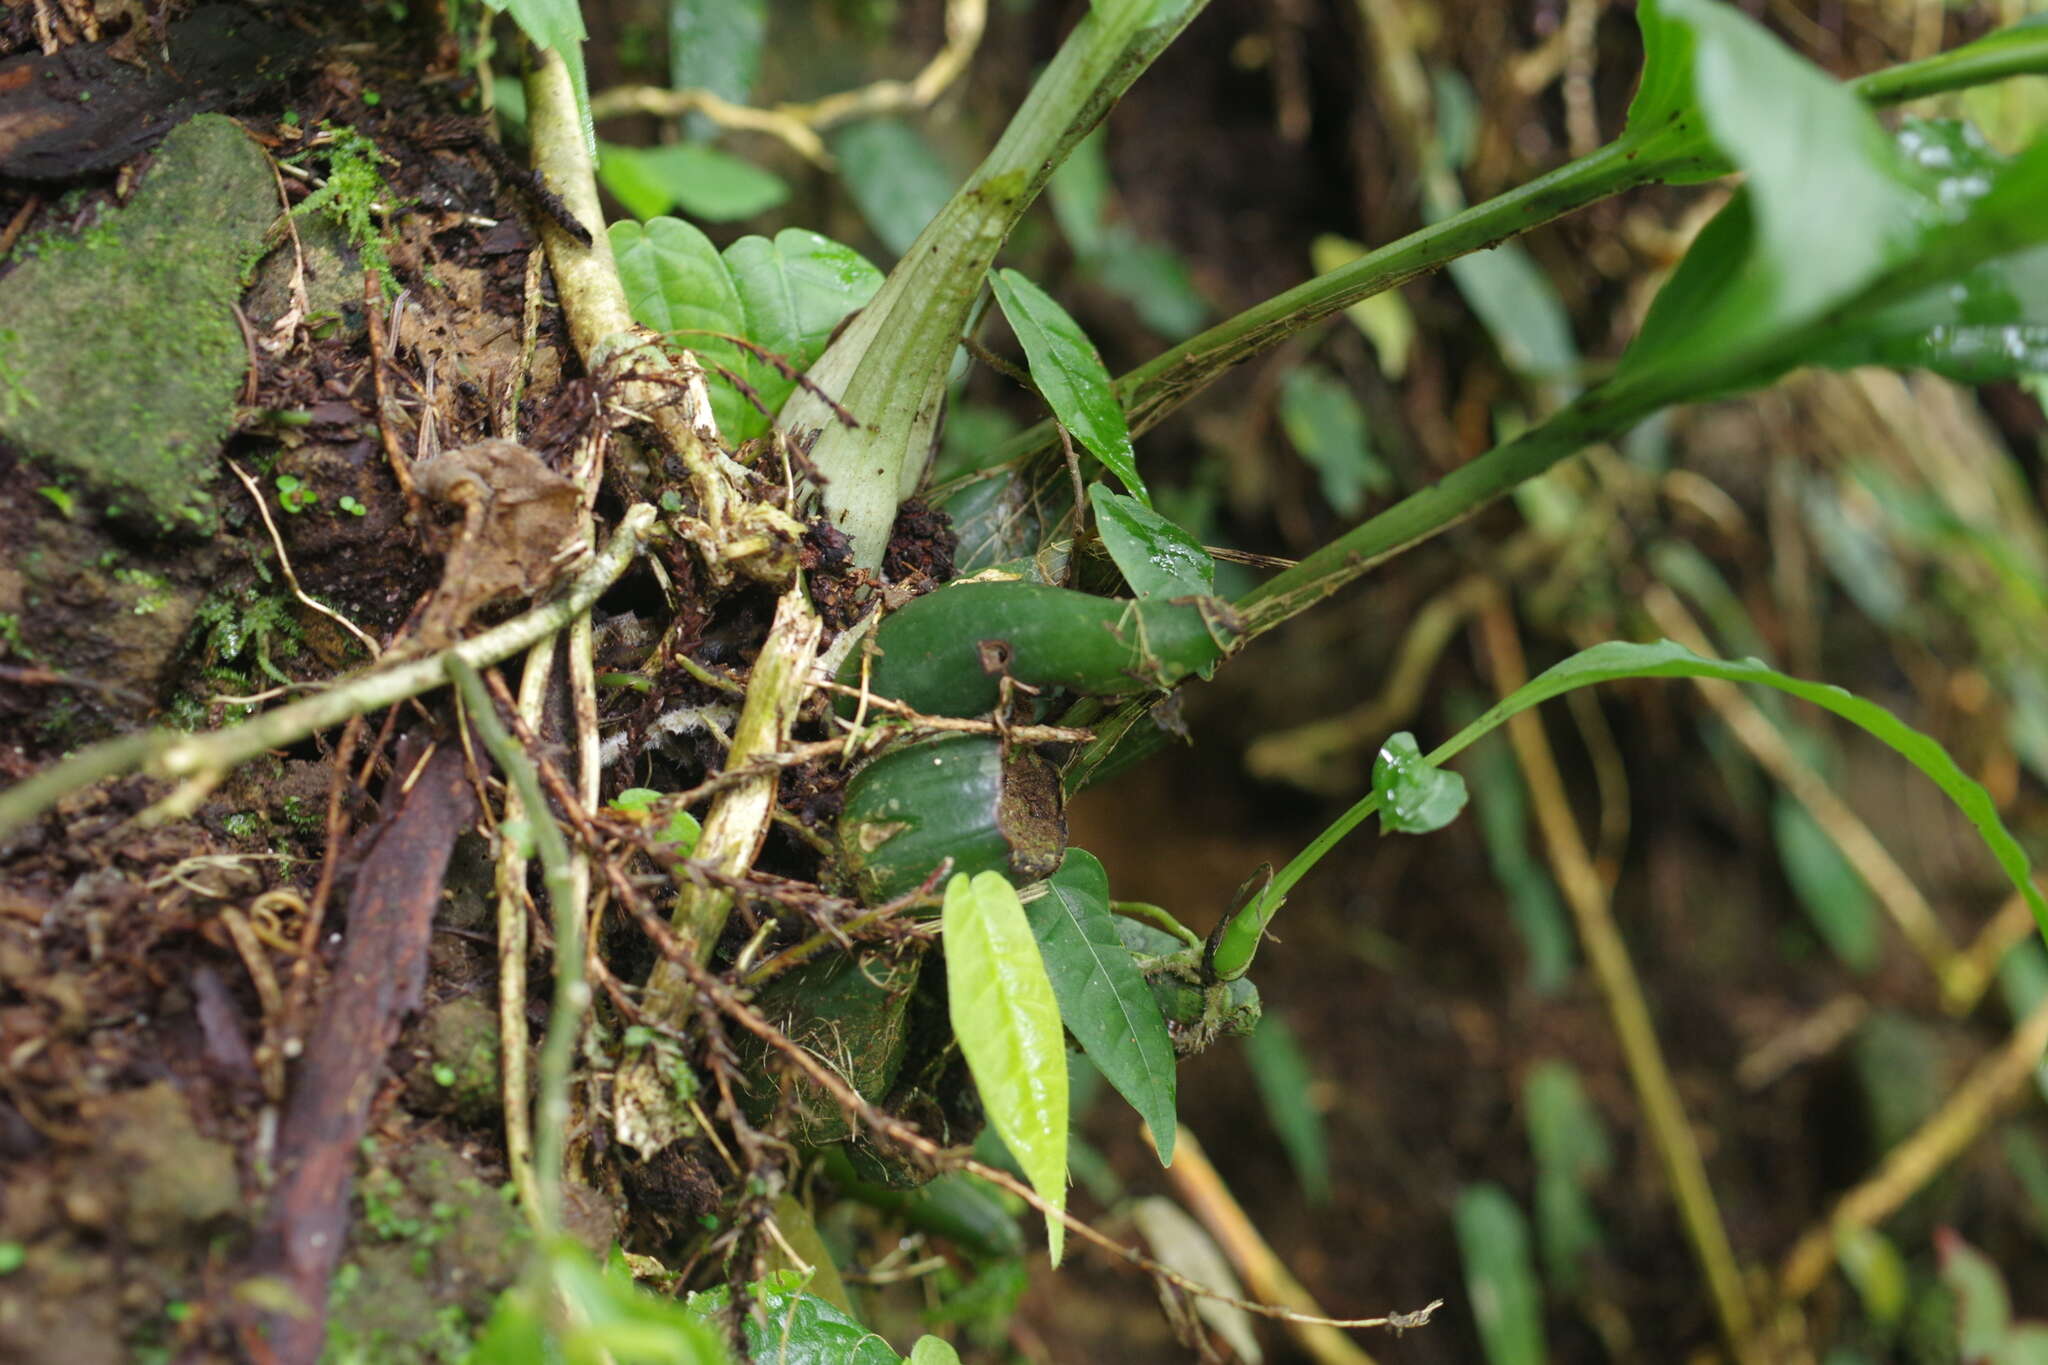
[889, 367]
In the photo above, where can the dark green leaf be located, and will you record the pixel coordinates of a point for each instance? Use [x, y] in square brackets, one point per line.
[1328, 429]
[1416, 796]
[1500, 1280]
[1836, 901]
[1281, 1070]
[946, 652]
[1104, 1002]
[895, 178]
[1080, 194]
[1007, 1021]
[2027, 1158]
[715, 45]
[1152, 278]
[1565, 1130]
[709, 184]
[675, 280]
[1070, 375]
[1155, 555]
[1567, 1230]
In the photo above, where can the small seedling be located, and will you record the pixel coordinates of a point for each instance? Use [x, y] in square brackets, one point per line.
[354, 508]
[293, 495]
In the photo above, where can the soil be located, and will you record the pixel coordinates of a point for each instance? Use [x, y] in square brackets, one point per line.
[167, 988]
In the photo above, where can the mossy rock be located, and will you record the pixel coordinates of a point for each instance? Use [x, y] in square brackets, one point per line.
[120, 355]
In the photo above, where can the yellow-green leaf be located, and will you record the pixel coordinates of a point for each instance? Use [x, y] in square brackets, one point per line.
[1008, 1023]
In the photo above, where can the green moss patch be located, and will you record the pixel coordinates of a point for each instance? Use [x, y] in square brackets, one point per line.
[120, 355]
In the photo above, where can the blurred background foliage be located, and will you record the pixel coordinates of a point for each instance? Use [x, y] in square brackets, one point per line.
[1435, 1106]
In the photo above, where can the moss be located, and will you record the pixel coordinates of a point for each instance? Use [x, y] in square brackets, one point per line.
[353, 184]
[121, 358]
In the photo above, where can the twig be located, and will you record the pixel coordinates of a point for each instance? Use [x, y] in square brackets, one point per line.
[200, 761]
[1910, 1165]
[1587, 895]
[798, 125]
[896, 1130]
[285, 563]
[1203, 1190]
[572, 991]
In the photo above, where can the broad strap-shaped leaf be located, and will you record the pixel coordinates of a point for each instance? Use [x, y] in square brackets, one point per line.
[1103, 998]
[1071, 376]
[1416, 796]
[785, 295]
[1007, 1021]
[893, 176]
[1156, 556]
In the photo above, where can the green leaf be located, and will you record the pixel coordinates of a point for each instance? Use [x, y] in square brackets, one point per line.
[1520, 309]
[929, 1350]
[794, 1327]
[947, 651]
[1070, 375]
[786, 295]
[1104, 1001]
[2027, 1158]
[793, 292]
[1155, 555]
[615, 1317]
[1565, 1130]
[1873, 1265]
[897, 181]
[1080, 194]
[1007, 1021]
[1620, 659]
[709, 184]
[715, 45]
[1281, 1070]
[1507, 1301]
[1983, 1307]
[2025, 1344]
[556, 26]
[1837, 903]
[1415, 795]
[1328, 429]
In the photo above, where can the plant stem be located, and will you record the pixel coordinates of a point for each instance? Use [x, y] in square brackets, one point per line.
[1153, 390]
[514, 940]
[572, 991]
[889, 367]
[202, 760]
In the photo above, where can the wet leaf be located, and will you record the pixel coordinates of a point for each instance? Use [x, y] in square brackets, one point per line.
[1281, 1071]
[1007, 1021]
[1156, 556]
[1507, 1301]
[1104, 1001]
[795, 1327]
[1070, 375]
[1416, 797]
